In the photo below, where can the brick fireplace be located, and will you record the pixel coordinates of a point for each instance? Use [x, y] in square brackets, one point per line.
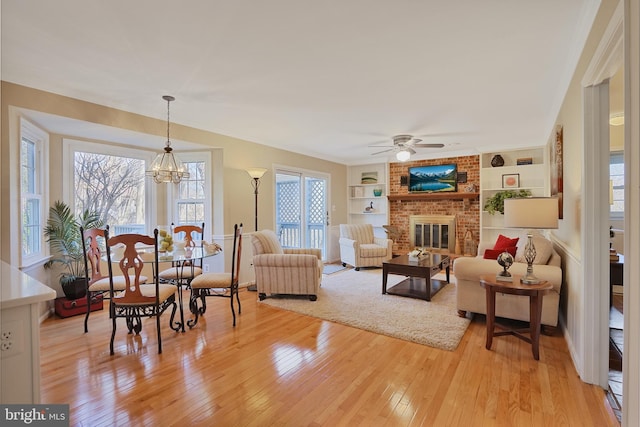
[465, 211]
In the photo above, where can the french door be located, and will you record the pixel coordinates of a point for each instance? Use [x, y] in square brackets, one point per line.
[301, 209]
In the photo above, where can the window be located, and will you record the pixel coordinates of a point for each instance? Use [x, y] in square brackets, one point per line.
[191, 201]
[111, 181]
[616, 175]
[33, 170]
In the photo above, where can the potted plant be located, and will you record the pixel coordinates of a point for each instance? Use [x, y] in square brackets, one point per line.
[63, 235]
[495, 203]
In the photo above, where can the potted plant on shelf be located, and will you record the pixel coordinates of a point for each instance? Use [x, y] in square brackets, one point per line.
[495, 203]
[63, 235]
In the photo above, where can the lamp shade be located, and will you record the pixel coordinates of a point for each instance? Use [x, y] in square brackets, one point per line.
[531, 212]
[256, 173]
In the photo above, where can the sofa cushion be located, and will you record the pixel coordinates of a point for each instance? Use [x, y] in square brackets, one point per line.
[494, 253]
[361, 233]
[505, 242]
[266, 242]
[544, 250]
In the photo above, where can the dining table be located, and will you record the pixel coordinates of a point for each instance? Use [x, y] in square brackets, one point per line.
[180, 259]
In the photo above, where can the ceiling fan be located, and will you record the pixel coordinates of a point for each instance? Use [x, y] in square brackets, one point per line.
[404, 146]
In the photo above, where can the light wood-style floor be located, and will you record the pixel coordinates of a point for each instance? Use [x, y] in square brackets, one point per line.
[283, 369]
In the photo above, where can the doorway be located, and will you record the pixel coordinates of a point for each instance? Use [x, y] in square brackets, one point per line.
[301, 209]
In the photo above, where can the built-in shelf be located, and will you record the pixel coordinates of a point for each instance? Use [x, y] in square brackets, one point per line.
[434, 196]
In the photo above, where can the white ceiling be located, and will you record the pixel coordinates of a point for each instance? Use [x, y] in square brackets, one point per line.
[324, 78]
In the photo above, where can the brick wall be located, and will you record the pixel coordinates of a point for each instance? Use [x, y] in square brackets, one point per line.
[467, 211]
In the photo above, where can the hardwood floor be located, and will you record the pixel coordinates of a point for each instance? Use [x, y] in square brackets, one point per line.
[280, 368]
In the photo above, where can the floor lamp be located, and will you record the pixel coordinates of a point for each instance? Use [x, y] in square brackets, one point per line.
[255, 174]
[531, 213]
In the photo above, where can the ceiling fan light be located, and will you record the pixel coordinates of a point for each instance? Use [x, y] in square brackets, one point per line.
[403, 155]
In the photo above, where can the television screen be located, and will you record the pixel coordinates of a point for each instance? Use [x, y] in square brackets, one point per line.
[433, 179]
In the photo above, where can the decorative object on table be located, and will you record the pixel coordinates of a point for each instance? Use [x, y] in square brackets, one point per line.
[511, 180]
[433, 178]
[255, 174]
[505, 259]
[470, 245]
[524, 161]
[166, 241]
[369, 209]
[462, 177]
[211, 248]
[497, 161]
[377, 192]
[65, 241]
[167, 167]
[495, 203]
[531, 213]
[417, 254]
[556, 161]
[369, 178]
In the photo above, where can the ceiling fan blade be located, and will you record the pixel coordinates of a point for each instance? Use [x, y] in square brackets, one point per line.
[409, 149]
[385, 145]
[428, 145]
[383, 151]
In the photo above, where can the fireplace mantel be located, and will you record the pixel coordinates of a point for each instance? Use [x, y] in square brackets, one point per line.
[434, 196]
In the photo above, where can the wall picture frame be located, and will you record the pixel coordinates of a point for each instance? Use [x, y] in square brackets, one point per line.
[511, 180]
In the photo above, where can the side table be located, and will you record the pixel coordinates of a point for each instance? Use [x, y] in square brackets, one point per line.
[535, 294]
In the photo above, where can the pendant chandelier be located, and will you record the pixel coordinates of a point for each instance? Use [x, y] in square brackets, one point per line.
[167, 167]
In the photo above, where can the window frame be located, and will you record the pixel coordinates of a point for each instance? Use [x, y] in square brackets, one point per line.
[70, 146]
[173, 200]
[40, 138]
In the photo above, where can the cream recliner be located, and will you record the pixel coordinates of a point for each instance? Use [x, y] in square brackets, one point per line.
[288, 271]
[360, 248]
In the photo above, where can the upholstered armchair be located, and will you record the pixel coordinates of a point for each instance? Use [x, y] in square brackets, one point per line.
[286, 271]
[360, 248]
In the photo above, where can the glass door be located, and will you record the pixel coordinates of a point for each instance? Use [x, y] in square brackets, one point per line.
[301, 210]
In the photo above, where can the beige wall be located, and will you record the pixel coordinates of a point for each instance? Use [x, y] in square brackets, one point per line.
[235, 204]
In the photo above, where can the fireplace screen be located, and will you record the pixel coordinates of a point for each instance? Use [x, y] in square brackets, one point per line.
[433, 232]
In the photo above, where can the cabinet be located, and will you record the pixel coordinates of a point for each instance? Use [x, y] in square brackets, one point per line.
[20, 349]
[534, 177]
[367, 193]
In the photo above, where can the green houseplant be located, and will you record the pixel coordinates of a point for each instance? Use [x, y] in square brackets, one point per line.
[495, 203]
[63, 235]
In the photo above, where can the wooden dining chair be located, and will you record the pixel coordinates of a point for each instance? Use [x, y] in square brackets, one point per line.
[223, 285]
[97, 283]
[137, 300]
[182, 273]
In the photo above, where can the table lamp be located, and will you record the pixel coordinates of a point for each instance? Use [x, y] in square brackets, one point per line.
[531, 213]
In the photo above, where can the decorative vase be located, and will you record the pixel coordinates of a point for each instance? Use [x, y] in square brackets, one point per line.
[377, 192]
[497, 161]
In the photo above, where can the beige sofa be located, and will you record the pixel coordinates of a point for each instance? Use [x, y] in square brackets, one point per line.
[287, 271]
[471, 296]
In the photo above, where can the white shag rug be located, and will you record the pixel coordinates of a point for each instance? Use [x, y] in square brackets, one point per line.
[355, 298]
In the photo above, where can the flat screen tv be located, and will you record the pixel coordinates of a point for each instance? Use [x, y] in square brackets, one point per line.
[433, 179]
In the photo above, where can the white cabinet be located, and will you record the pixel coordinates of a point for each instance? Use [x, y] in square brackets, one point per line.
[367, 193]
[534, 177]
[20, 348]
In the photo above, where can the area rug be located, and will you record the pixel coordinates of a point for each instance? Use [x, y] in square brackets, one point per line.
[355, 298]
[332, 268]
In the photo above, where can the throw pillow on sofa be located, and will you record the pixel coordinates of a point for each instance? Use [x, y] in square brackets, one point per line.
[544, 250]
[495, 253]
[505, 242]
